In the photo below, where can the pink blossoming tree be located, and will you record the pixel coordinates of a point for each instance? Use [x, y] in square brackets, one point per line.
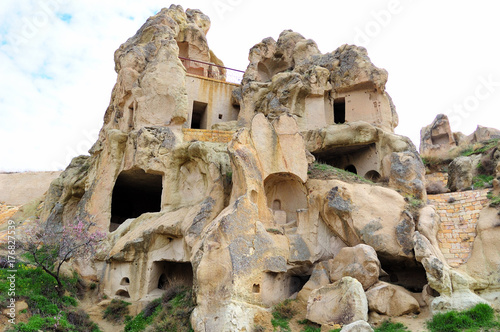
[50, 246]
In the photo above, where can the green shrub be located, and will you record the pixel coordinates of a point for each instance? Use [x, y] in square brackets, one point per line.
[477, 318]
[145, 318]
[322, 170]
[48, 309]
[388, 326]
[39, 323]
[282, 313]
[176, 311]
[81, 321]
[309, 326]
[481, 181]
[116, 310]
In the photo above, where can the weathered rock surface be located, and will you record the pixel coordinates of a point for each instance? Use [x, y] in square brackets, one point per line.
[358, 326]
[291, 75]
[437, 139]
[342, 302]
[356, 213]
[359, 262]
[319, 278]
[391, 300]
[484, 263]
[408, 174]
[461, 172]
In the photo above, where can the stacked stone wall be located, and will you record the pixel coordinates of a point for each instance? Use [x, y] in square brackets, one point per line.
[459, 213]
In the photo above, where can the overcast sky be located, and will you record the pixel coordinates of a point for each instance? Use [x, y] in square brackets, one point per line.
[57, 69]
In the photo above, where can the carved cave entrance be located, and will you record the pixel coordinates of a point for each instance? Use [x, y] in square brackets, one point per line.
[166, 273]
[408, 274]
[362, 160]
[199, 116]
[285, 195]
[277, 287]
[135, 192]
[339, 110]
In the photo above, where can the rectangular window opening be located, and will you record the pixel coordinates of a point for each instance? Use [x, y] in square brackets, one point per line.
[199, 116]
[339, 110]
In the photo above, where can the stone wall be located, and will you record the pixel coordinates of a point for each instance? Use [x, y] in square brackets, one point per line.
[439, 177]
[216, 136]
[459, 212]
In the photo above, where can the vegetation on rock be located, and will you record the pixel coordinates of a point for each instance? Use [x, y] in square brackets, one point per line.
[479, 318]
[46, 309]
[171, 312]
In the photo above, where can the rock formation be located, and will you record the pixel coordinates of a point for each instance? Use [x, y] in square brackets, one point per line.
[242, 222]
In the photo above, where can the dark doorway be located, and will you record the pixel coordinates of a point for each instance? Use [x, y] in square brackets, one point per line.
[351, 169]
[199, 117]
[165, 274]
[373, 176]
[339, 110]
[135, 193]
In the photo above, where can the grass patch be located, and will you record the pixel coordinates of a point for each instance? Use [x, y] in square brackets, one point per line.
[495, 200]
[282, 313]
[48, 311]
[481, 147]
[116, 311]
[324, 171]
[309, 326]
[171, 312]
[388, 326]
[274, 231]
[479, 318]
[482, 181]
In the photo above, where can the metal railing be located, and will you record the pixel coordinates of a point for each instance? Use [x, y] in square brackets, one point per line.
[212, 70]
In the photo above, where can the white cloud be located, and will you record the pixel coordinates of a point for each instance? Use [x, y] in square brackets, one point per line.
[57, 69]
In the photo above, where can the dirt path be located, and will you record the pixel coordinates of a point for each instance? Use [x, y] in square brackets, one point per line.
[95, 312]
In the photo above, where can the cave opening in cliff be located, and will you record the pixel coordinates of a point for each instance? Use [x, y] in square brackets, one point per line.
[352, 169]
[167, 273]
[199, 116]
[135, 192]
[408, 274]
[279, 286]
[285, 195]
[339, 110]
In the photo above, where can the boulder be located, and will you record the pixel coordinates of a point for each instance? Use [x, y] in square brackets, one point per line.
[358, 213]
[319, 278]
[359, 262]
[407, 174]
[461, 172]
[391, 300]
[342, 302]
[358, 326]
[437, 139]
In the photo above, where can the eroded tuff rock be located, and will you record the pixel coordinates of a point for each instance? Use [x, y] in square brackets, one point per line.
[359, 262]
[462, 171]
[358, 326]
[241, 222]
[391, 300]
[438, 142]
[437, 139]
[342, 302]
[291, 75]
